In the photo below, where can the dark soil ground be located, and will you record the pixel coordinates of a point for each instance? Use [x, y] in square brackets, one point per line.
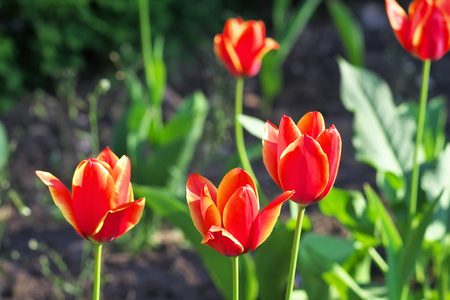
[171, 270]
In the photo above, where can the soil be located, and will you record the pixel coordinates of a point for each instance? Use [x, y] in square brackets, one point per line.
[38, 131]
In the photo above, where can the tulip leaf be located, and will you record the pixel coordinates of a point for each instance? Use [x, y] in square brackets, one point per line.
[3, 147]
[351, 209]
[435, 182]
[391, 237]
[317, 255]
[271, 272]
[414, 240]
[384, 133]
[349, 30]
[253, 125]
[434, 134]
[165, 203]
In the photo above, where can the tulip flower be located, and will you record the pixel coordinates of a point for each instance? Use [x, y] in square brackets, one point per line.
[228, 217]
[242, 46]
[425, 31]
[101, 207]
[303, 157]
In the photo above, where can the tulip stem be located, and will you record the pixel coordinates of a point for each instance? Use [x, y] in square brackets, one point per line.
[294, 254]
[239, 135]
[235, 261]
[98, 264]
[419, 137]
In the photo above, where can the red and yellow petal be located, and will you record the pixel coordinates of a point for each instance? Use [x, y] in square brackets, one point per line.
[198, 190]
[303, 167]
[331, 143]
[223, 242]
[225, 51]
[62, 198]
[311, 124]
[263, 225]
[232, 181]
[287, 133]
[122, 175]
[92, 188]
[109, 157]
[240, 212]
[269, 150]
[118, 221]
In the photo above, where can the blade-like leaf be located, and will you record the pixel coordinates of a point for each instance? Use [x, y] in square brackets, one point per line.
[384, 133]
[349, 30]
[391, 236]
[253, 125]
[3, 147]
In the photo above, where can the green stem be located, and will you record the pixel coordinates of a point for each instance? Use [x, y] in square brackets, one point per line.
[98, 264]
[239, 135]
[235, 261]
[294, 254]
[419, 137]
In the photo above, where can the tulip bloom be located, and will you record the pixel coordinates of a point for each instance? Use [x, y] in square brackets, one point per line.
[101, 207]
[425, 31]
[303, 157]
[229, 217]
[242, 46]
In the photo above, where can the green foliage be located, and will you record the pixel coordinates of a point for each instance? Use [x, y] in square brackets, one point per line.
[349, 30]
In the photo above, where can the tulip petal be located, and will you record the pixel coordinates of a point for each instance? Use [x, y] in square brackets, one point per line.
[122, 175]
[225, 51]
[269, 150]
[287, 134]
[399, 23]
[432, 36]
[255, 66]
[311, 124]
[232, 181]
[61, 197]
[118, 221]
[233, 29]
[331, 143]
[264, 223]
[303, 167]
[109, 157]
[223, 242]
[201, 196]
[92, 188]
[240, 212]
[250, 42]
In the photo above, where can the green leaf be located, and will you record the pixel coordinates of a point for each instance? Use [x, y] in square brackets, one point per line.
[414, 240]
[351, 209]
[253, 125]
[176, 147]
[384, 133]
[391, 237]
[346, 286]
[272, 272]
[163, 202]
[4, 147]
[349, 30]
[435, 183]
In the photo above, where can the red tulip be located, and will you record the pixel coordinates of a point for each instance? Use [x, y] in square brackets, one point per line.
[425, 31]
[303, 157]
[101, 207]
[229, 217]
[242, 46]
